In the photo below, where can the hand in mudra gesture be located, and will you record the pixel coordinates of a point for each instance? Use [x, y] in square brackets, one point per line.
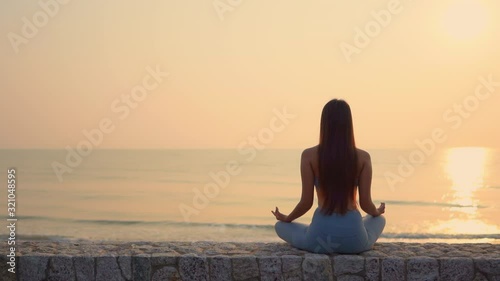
[381, 208]
[279, 216]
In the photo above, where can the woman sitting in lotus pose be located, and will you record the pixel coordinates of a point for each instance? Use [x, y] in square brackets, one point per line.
[338, 170]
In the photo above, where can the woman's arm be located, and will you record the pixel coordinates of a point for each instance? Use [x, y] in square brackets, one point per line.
[365, 182]
[307, 198]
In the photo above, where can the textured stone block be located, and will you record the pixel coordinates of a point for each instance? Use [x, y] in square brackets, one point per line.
[61, 269]
[125, 264]
[456, 269]
[141, 267]
[393, 269]
[422, 268]
[42, 260]
[107, 269]
[4, 267]
[169, 273]
[32, 268]
[495, 278]
[193, 267]
[317, 268]
[245, 267]
[373, 253]
[350, 278]
[270, 268]
[489, 266]
[348, 264]
[372, 269]
[291, 263]
[291, 266]
[456, 254]
[480, 277]
[220, 268]
[159, 259]
[433, 253]
[84, 268]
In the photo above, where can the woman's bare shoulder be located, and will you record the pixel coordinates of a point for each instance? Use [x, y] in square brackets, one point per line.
[310, 153]
[363, 155]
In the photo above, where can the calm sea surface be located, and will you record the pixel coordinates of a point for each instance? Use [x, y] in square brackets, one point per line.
[222, 195]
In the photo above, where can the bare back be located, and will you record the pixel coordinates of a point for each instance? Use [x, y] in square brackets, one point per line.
[362, 175]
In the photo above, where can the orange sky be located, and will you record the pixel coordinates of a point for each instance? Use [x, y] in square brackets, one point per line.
[406, 68]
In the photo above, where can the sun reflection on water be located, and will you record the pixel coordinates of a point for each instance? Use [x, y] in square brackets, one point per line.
[465, 167]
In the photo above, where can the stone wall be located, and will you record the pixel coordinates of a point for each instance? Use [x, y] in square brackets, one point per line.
[37, 260]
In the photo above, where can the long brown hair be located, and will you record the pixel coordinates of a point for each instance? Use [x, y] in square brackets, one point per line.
[337, 157]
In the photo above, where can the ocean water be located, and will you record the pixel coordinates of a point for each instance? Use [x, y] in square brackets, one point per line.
[448, 196]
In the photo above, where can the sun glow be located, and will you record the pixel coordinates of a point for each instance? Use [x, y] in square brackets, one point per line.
[465, 167]
[465, 227]
[465, 19]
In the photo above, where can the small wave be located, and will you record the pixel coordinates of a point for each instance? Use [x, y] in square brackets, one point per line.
[180, 224]
[436, 204]
[417, 236]
[206, 226]
[408, 236]
[31, 218]
[68, 220]
[57, 238]
[139, 222]
[113, 222]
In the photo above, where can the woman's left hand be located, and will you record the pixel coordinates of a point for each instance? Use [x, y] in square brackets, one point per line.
[279, 216]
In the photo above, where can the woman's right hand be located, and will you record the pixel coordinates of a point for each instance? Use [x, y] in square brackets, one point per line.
[381, 208]
[279, 216]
